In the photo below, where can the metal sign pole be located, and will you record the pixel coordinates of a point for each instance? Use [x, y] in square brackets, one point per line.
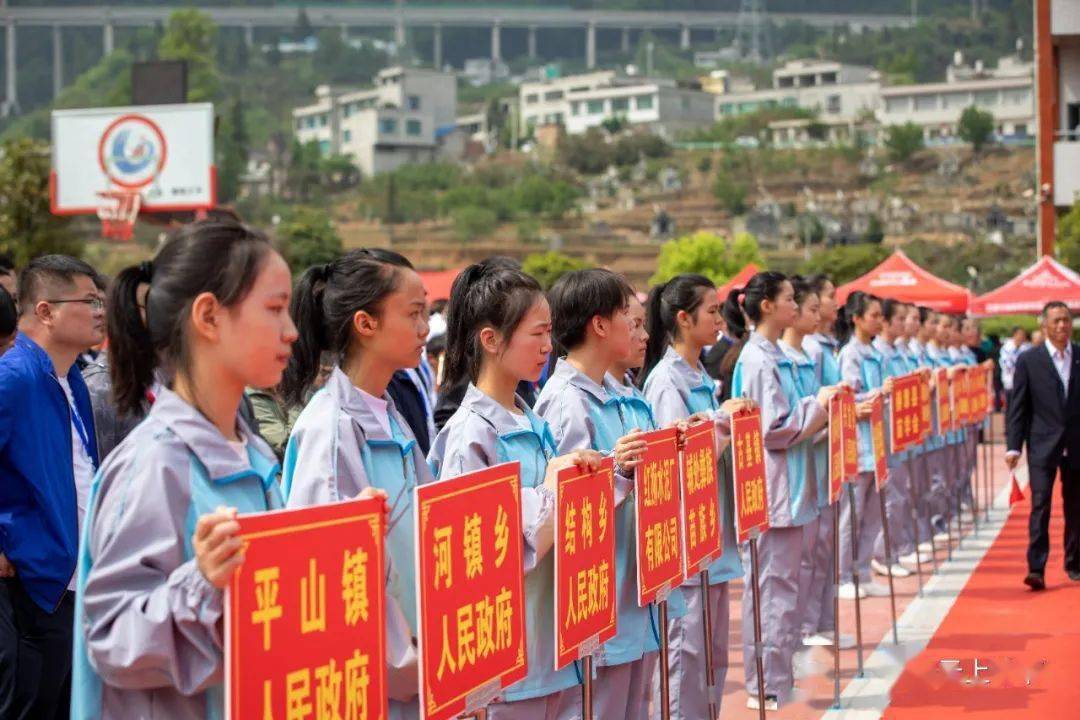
[586, 687]
[889, 562]
[665, 690]
[836, 604]
[706, 619]
[990, 465]
[758, 662]
[855, 577]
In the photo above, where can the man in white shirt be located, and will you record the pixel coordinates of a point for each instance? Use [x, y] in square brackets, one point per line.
[1043, 413]
[1010, 351]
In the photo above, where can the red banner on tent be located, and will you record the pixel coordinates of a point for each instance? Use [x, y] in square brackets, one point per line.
[305, 619]
[944, 400]
[471, 596]
[584, 561]
[751, 495]
[877, 436]
[905, 419]
[843, 442]
[657, 506]
[700, 490]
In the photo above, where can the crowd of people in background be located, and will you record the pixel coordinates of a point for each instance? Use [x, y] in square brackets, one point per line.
[140, 414]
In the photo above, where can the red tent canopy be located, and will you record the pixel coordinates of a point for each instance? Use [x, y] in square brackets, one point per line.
[438, 282]
[1028, 292]
[741, 278]
[897, 277]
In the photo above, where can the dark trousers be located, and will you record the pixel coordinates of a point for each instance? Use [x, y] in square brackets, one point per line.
[1042, 486]
[35, 655]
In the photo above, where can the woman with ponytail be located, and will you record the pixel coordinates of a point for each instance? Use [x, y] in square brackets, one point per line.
[498, 334]
[862, 367]
[790, 421]
[159, 543]
[368, 309]
[937, 349]
[681, 321]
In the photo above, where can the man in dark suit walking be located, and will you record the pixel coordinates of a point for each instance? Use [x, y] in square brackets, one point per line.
[1043, 413]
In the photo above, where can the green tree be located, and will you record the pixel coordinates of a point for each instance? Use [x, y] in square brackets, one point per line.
[308, 238]
[27, 227]
[707, 254]
[232, 151]
[844, 263]
[730, 192]
[875, 231]
[548, 267]
[903, 141]
[471, 222]
[1068, 237]
[976, 127]
[192, 36]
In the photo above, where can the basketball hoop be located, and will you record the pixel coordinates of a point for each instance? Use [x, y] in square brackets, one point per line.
[117, 209]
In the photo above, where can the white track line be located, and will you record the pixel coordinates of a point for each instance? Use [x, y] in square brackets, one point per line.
[866, 698]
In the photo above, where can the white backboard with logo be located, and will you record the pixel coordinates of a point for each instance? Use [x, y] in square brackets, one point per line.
[165, 152]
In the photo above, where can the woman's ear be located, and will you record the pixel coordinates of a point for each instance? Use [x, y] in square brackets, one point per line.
[683, 319]
[205, 320]
[364, 323]
[489, 340]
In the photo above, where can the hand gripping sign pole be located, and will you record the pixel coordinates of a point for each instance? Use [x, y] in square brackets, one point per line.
[657, 508]
[881, 476]
[751, 515]
[701, 520]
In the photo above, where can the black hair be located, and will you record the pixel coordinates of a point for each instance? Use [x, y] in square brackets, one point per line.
[857, 304]
[323, 306]
[579, 296]
[763, 286]
[9, 315]
[7, 264]
[439, 306]
[733, 314]
[221, 258]
[818, 281]
[1055, 305]
[47, 271]
[683, 292]
[802, 289]
[494, 292]
[890, 307]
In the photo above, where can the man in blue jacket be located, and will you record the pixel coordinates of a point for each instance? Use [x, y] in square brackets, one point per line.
[48, 457]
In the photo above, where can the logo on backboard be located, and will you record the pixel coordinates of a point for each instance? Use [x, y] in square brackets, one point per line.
[132, 151]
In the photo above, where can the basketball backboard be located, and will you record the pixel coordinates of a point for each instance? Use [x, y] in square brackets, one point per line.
[164, 152]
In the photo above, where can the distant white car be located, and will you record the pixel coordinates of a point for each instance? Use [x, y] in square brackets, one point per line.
[746, 141]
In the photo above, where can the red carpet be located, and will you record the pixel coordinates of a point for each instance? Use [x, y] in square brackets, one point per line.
[1027, 644]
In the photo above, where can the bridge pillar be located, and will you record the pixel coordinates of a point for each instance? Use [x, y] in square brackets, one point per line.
[496, 42]
[249, 35]
[436, 53]
[684, 38]
[625, 40]
[532, 42]
[57, 60]
[399, 33]
[107, 38]
[590, 46]
[11, 99]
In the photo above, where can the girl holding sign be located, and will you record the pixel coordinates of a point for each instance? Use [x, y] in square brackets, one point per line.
[159, 541]
[789, 422]
[682, 320]
[591, 322]
[498, 334]
[939, 351]
[861, 367]
[898, 488]
[368, 308]
[923, 346]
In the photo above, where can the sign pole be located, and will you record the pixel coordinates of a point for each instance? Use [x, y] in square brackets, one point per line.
[706, 618]
[973, 485]
[586, 687]
[889, 562]
[836, 605]
[855, 577]
[758, 662]
[915, 536]
[990, 466]
[665, 690]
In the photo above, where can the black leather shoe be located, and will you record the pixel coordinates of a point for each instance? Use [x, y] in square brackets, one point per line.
[1074, 575]
[1035, 581]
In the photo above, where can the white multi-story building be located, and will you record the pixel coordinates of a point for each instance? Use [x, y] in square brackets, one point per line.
[579, 102]
[937, 107]
[405, 118]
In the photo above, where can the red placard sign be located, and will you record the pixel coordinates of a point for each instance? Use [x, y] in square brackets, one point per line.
[962, 396]
[877, 435]
[305, 620]
[700, 490]
[471, 596]
[851, 434]
[584, 561]
[657, 506]
[748, 453]
[926, 426]
[843, 442]
[906, 416]
[944, 400]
